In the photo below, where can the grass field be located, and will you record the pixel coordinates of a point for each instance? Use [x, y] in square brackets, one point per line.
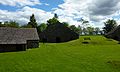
[100, 55]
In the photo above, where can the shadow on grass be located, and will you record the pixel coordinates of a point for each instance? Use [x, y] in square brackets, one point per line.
[114, 63]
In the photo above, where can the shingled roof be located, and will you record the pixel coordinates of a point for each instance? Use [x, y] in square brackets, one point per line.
[17, 35]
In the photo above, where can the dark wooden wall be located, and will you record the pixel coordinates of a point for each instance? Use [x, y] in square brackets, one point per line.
[32, 44]
[12, 47]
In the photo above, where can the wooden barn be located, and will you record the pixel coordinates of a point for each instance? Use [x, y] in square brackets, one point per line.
[114, 34]
[18, 39]
[56, 33]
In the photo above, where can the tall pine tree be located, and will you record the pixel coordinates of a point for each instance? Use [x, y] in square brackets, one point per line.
[32, 22]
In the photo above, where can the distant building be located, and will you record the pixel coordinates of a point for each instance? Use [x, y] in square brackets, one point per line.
[18, 39]
[56, 33]
[114, 34]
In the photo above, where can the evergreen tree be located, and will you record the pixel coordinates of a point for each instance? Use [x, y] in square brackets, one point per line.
[55, 15]
[32, 22]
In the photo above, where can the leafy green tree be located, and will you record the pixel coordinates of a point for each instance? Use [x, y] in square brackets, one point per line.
[85, 31]
[32, 22]
[74, 28]
[65, 24]
[1, 25]
[26, 26]
[52, 21]
[90, 30]
[97, 30]
[6, 23]
[42, 27]
[11, 24]
[84, 22]
[80, 30]
[109, 25]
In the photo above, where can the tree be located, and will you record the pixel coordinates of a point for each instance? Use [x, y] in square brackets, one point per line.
[65, 24]
[84, 22]
[80, 30]
[84, 26]
[55, 15]
[42, 27]
[54, 20]
[74, 28]
[109, 25]
[32, 22]
[26, 26]
[11, 24]
[85, 31]
[97, 30]
[1, 25]
[90, 30]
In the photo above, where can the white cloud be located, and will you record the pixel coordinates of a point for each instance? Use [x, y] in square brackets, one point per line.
[47, 4]
[96, 11]
[22, 15]
[19, 2]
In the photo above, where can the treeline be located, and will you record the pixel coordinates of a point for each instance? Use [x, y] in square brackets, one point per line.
[83, 29]
[9, 24]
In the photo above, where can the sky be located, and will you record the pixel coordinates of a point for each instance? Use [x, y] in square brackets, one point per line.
[95, 11]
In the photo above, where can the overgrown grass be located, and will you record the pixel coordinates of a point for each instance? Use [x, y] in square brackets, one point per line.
[100, 55]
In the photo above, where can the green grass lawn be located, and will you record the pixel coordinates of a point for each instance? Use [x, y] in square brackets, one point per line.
[100, 55]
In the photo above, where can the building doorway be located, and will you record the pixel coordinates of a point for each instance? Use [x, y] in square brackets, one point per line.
[58, 39]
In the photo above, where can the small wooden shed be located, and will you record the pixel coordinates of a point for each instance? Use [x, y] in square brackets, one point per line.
[18, 39]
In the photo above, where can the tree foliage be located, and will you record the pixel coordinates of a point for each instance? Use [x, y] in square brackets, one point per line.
[42, 27]
[84, 30]
[90, 30]
[97, 30]
[109, 25]
[52, 21]
[55, 15]
[65, 24]
[75, 29]
[26, 26]
[32, 22]
[13, 24]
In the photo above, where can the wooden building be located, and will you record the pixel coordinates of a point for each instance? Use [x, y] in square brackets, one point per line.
[18, 39]
[56, 33]
[114, 34]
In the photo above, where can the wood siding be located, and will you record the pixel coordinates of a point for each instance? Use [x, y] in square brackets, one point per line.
[12, 47]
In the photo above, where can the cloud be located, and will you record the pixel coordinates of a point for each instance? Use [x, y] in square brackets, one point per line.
[19, 2]
[104, 7]
[22, 15]
[46, 4]
[93, 10]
